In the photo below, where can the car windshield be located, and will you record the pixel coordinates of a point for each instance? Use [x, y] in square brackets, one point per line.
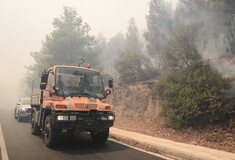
[79, 82]
[26, 102]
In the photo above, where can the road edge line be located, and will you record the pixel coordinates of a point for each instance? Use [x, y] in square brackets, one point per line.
[142, 150]
[3, 145]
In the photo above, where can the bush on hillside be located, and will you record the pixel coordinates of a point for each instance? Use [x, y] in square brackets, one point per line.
[191, 97]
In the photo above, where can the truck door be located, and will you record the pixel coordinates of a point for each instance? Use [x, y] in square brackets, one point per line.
[47, 94]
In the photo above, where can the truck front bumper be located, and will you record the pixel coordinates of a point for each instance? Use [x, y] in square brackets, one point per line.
[83, 121]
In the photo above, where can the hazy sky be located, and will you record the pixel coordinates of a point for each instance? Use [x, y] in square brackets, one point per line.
[25, 23]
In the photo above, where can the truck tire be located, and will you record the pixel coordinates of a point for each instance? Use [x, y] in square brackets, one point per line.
[35, 129]
[51, 134]
[100, 137]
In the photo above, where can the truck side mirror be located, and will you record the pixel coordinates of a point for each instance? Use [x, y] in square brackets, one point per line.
[43, 86]
[44, 78]
[107, 92]
[56, 88]
[110, 83]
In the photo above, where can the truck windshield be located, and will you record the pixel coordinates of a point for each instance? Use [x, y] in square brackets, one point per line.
[76, 82]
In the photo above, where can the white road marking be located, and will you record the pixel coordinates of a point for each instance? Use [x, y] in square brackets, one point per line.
[3, 145]
[151, 153]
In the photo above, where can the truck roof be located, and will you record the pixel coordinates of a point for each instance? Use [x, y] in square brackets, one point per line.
[56, 66]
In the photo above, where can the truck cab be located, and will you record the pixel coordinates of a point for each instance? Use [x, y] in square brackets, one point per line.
[71, 99]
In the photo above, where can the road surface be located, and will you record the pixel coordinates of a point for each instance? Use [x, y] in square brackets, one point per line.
[21, 145]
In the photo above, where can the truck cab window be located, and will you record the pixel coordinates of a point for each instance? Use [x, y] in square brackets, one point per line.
[50, 79]
[79, 82]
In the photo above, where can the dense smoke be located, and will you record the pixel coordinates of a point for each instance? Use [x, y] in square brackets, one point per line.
[217, 50]
[213, 34]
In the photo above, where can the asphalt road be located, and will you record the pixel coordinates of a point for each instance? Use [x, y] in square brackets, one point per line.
[21, 145]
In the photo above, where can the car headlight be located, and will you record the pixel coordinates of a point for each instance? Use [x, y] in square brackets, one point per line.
[111, 118]
[62, 118]
[23, 109]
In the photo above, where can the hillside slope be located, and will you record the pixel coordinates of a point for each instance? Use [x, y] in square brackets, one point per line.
[137, 109]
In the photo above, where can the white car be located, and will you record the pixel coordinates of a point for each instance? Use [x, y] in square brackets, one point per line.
[23, 109]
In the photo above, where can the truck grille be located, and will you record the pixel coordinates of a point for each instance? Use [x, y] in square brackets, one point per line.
[88, 106]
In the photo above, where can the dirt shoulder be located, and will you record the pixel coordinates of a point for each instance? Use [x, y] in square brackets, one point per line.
[216, 137]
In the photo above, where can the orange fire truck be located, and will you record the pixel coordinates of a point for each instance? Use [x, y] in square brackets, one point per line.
[71, 99]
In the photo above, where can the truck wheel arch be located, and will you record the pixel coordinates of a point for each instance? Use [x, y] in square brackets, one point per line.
[47, 111]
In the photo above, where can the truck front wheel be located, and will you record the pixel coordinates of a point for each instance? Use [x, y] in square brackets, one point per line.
[35, 130]
[51, 134]
[100, 137]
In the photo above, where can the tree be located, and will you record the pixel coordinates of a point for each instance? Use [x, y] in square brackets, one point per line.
[133, 42]
[66, 44]
[181, 50]
[132, 68]
[131, 65]
[216, 19]
[101, 42]
[191, 97]
[113, 48]
[159, 26]
[191, 92]
[70, 40]
[227, 9]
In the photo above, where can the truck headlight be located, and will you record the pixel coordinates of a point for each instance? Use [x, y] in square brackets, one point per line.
[111, 118]
[62, 118]
[73, 118]
[104, 118]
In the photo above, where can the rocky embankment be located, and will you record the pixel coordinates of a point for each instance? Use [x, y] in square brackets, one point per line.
[136, 102]
[137, 109]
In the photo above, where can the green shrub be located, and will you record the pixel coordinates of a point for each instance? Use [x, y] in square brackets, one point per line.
[213, 137]
[191, 97]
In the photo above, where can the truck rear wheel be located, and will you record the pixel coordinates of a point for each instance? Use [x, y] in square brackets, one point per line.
[35, 129]
[51, 134]
[100, 137]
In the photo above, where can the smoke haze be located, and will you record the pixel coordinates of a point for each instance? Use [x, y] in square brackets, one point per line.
[25, 23]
